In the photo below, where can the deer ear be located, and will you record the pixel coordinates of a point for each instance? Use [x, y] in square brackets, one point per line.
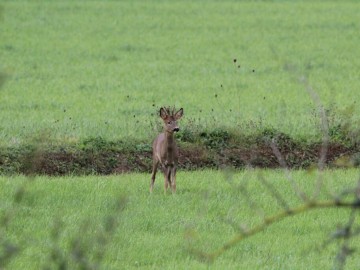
[163, 113]
[179, 114]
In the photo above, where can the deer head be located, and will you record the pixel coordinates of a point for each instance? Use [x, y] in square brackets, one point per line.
[170, 119]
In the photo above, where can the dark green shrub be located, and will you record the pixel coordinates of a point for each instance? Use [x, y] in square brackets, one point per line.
[216, 139]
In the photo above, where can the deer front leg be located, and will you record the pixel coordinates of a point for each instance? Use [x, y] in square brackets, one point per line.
[167, 173]
[173, 179]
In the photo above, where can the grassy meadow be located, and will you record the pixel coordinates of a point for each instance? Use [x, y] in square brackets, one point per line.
[103, 68]
[73, 72]
[78, 218]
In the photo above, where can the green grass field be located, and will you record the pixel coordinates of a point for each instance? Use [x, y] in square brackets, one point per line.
[77, 70]
[134, 229]
[103, 68]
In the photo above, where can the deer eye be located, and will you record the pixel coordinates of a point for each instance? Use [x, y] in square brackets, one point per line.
[169, 122]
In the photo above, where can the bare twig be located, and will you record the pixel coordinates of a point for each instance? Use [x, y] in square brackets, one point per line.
[273, 191]
[287, 171]
[252, 204]
[325, 135]
[345, 234]
[274, 219]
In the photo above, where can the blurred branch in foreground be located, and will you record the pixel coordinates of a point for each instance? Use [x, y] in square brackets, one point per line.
[287, 212]
[346, 199]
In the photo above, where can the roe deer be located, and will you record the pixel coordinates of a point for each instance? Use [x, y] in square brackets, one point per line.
[164, 148]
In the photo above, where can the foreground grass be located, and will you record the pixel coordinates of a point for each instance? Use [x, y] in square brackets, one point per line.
[76, 218]
[103, 68]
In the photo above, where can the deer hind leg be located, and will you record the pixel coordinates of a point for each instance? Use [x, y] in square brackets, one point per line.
[155, 165]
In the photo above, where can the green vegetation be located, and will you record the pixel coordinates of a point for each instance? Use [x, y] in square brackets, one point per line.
[50, 221]
[216, 149]
[81, 85]
[102, 69]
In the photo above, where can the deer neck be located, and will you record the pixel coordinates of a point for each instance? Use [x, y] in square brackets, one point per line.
[169, 149]
[169, 140]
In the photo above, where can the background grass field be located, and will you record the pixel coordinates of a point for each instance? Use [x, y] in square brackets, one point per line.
[103, 68]
[53, 216]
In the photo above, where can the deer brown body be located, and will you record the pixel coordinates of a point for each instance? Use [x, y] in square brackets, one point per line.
[165, 151]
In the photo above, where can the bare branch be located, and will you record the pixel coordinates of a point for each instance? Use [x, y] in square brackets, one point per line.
[325, 135]
[253, 205]
[241, 228]
[274, 219]
[287, 171]
[345, 234]
[281, 201]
